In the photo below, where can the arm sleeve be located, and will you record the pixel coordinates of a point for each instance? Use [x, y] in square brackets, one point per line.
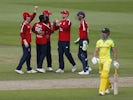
[84, 26]
[33, 16]
[51, 30]
[55, 27]
[97, 44]
[113, 44]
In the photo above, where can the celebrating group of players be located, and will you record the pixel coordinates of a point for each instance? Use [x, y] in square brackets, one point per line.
[43, 29]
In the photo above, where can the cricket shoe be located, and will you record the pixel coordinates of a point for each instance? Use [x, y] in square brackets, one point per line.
[107, 91]
[74, 68]
[101, 93]
[59, 71]
[40, 70]
[19, 71]
[50, 69]
[31, 71]
[83, 73]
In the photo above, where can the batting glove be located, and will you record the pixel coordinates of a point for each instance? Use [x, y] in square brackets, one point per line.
[116, 64]
[85, 45]
[94, 60]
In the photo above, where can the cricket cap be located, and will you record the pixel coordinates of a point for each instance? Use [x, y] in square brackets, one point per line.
[46, 12]
[25, 15]
[65, 12]
[106, 30]
[81, 13]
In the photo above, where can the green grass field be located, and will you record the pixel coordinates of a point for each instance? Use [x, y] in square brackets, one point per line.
[115, 14]
[64, 94]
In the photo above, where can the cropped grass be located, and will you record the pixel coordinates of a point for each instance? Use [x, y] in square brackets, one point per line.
[65, 94]
[115, 14]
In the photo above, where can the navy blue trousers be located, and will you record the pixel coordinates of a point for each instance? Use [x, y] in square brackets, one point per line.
[25, 58]
[41, 53]
[82, 55]
[48, 55]
[64, 48]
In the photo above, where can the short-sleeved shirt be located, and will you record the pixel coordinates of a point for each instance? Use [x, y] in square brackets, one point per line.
[83, 30]
[105, 48]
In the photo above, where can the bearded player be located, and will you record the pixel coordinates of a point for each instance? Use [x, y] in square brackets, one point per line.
[25, 34]
[105, 47]
[40, 29]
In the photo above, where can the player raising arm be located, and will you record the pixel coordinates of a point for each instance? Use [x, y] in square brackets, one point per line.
[105, 47]
[25, 34]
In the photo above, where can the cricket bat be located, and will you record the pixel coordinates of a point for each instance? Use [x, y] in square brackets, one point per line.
[115, 82]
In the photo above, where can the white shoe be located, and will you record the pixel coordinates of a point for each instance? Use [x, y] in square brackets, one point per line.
[90, 69]
[101, 93]
[19, 71]
[31, 71]
[50, 69]
[40, 70]
[107, 91]
[83, 73]
[59, 71]
[74, 68]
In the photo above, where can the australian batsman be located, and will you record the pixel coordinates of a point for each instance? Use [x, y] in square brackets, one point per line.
[105, 47]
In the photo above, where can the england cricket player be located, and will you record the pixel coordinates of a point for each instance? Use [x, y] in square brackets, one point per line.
[83, 43]
[64, 27]
[25, 34]
[47, 14]
[40, 29]
[105, 47]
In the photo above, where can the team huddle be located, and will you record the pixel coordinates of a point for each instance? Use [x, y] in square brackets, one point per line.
[104, 53]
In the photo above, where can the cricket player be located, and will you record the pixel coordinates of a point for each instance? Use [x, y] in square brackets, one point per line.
[40, 29]
[25, 34]
[64, 27]
[105, 47]
[46, 14]
[83, 43]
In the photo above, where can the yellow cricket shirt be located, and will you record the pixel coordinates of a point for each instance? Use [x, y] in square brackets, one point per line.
[105, 48]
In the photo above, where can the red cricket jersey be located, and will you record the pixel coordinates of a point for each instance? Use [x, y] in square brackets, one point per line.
[83, 30]
[48, 34]
[64, 30]
[39, 26]
[25, 32]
